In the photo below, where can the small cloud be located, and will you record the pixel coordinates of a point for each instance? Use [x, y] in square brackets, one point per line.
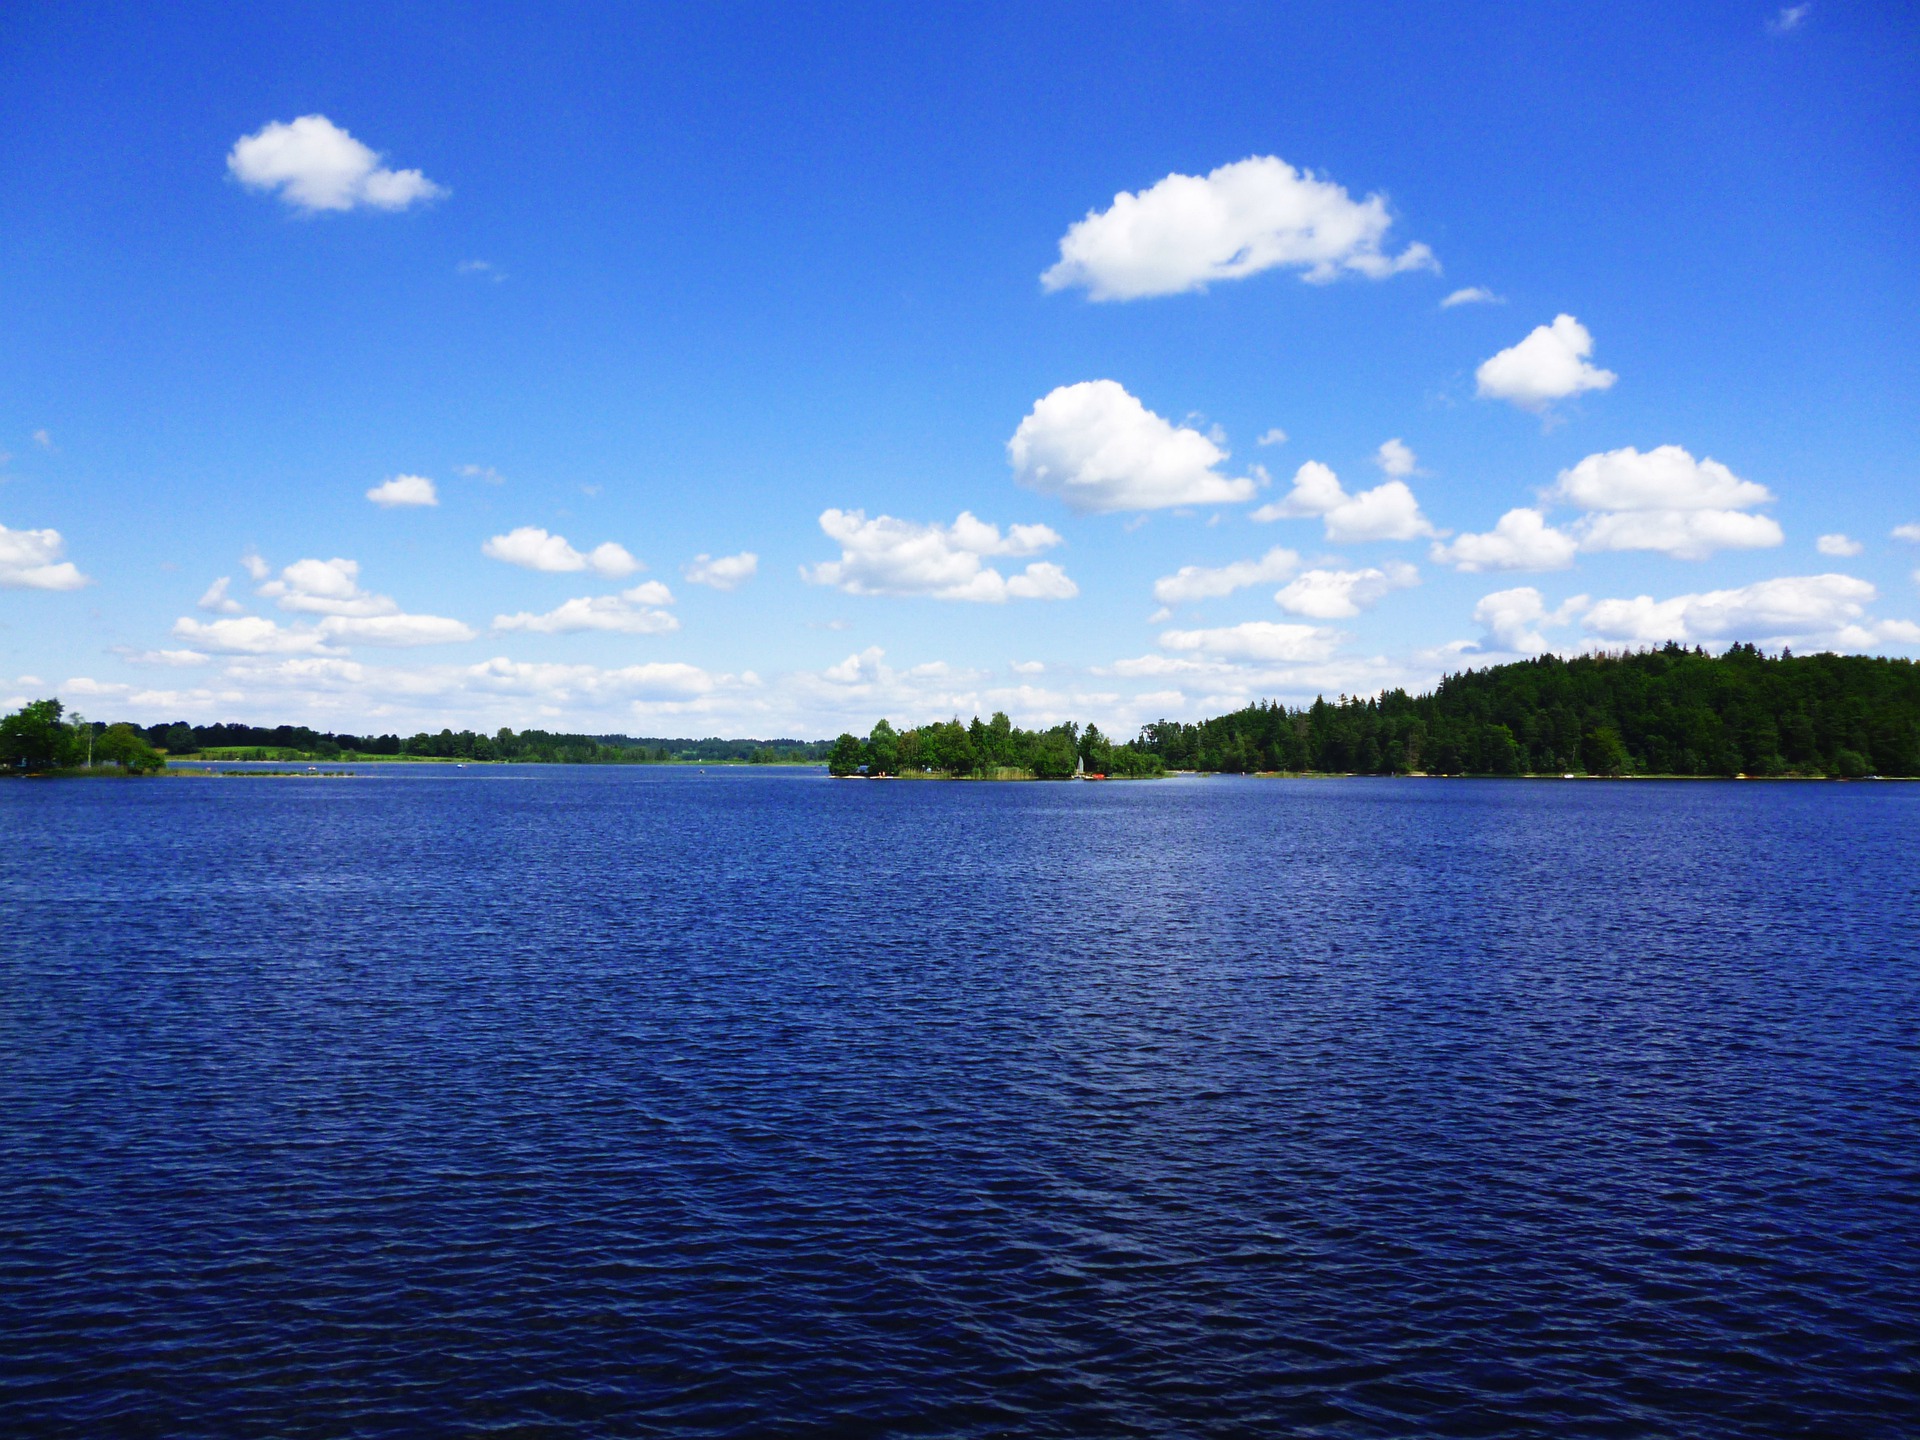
[1275, 436]
[1387, 512]
[1199, 582]
[314, 165]
[404, 490]
[255, 566]
[886, 556]
[1396, 460]
[1788, 19]
[631, 612]
[43, 439]
[532, 548]
[1522, 540]
[30, 560]
[1907, 532]
[1549, 364]
[1099, 449]
[481, 472]
[217, 602]
[1472, 295]
[727, 572]
[1342, 594]
[1838, 546]
[481, 270]
[829, 625]
[1027, 667]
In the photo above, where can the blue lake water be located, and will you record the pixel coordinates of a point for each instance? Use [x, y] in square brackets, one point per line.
[589, 1101]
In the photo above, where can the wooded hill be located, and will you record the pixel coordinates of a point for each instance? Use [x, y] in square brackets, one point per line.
[1671, 711]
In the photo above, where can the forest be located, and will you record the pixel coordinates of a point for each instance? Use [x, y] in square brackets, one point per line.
[1670, 711]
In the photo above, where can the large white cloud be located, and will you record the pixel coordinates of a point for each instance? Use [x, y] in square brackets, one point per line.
[1550, 364]
[1099, 449]
[532, 548]
[30, 560]
[1521, 540]
[1665, 500]
[1342, 594]
[631, 612]
[315, 165]
[724, 572]
[252, 635]
[402, 490]
[1265, 640]
[1188, 231]
[1827, 610]
[1199, 582]
[326, 587]
[885, 556]
[1386, 512]
[1513, 619]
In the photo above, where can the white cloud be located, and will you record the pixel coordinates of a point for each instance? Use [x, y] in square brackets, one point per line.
[395, 630]
[1028, 667]
[1186, 232]
[1665, 500]
[1907, 532]
[1342, 594]
[481, 472]
[1683, 534]
[1521, 540]
[1386, 512]
[30, 560]
[1664, 478]
[43, 439]
[255, 566]
[174, 659]
[532, 548]
[481, 270]
[216, 601]
[631, 612]
[315, 165]
[1549, 365]
[885, 556]
[1275, 436]
[1099, 449]
[404, 490]
[326, 587]
[1396, 460]
[1198, 582]
[1513, 619]
[1471, 295]
[1255, 640]
[727, 572]
[1828, 610]
[251, 635]
[1788, 19]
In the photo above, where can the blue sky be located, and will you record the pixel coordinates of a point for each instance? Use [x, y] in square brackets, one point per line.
[707, 282]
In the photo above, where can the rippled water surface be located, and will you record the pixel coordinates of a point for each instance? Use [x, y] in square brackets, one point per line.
[554, 1101]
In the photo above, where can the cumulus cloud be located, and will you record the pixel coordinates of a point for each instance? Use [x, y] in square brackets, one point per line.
[725, 572]
[1099, 449]
[1275, 436]
[30, 560]
[252, 635]
[1341, 594]
[326, 587]
[1550, 364]
[1265, 640]
[1198, 582]
[256, 567]
[631, 612]
[1386, 512]
[532, 548]
[1665, 500]
[404, 490]
[1520, 540]
[216, 601]
[1907, 532]
[1827, 610]
[1396, 460]
[1471, 295]
[1188, 231]
[315, 165]
[1838, 546]
[885, 556]
[1513, 619]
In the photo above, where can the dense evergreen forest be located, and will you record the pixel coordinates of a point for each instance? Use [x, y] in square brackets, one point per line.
[1671, 711]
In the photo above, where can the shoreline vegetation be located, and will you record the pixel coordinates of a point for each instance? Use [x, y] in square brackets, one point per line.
[1667, 713]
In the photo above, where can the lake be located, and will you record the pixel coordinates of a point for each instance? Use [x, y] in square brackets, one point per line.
[556, 1101]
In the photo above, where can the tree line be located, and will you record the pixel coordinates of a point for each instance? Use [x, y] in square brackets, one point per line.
[178, 738]
[41, 736]
[990, 748]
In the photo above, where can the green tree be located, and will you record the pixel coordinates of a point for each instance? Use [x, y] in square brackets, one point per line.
[883, 750]
[124, 746]
[34, 737]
